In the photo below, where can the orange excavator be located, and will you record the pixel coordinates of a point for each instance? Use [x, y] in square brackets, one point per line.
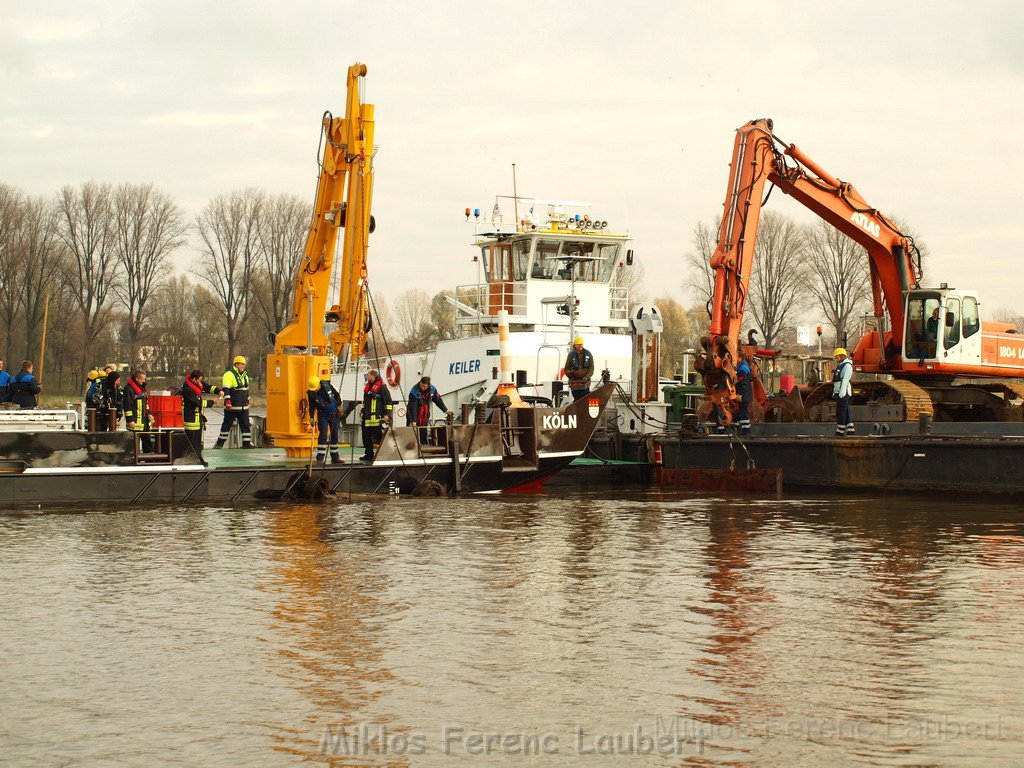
[943, 359]
[303, 349]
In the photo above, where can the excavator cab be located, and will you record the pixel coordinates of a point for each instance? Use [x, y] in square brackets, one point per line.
[943, 325]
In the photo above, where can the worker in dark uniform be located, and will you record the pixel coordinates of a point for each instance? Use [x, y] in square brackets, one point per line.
[421, 396]
[236, 403]
[192, 402]
[377, 407]
[24, 387]
[325, 407]
[745, 389]
[95, 381]
[842, 390]
[136, 408]
[110, 403]
[579, 369]
[5, 384]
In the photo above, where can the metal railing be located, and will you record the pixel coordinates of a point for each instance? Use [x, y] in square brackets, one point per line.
[489, 298]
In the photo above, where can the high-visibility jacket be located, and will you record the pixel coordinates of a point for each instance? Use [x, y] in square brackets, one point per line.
[136, 405]
[192, 402]
[236, 389]
[376, 403]
[841, 379]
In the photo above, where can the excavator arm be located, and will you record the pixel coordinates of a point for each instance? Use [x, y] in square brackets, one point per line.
[760, 157]
[302, 349]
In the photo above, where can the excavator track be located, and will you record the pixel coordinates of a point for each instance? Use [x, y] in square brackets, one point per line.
[914, 399]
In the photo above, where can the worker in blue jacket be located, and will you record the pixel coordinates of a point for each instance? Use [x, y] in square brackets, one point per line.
[420, 397]
[325, 407]
[5, 384]
[745, 389]
[25, 387]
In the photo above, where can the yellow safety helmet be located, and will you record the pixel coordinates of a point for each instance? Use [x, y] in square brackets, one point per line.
[93, 375]
[314, 382]
[840, 351]
[239, 360]
[578, 340]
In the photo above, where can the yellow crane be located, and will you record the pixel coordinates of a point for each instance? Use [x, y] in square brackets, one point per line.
[343, 195]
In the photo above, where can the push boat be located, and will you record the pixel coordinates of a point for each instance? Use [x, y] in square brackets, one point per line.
[558, 273]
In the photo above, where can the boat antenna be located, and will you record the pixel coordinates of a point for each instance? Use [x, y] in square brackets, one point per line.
[515, 195]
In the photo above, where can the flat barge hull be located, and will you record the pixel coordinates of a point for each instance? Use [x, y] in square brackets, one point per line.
[918, 464]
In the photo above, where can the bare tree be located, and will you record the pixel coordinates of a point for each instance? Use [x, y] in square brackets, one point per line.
[229, 229]
[777, 284]
[41, 252]
[412, 319]
[837, 276]
[149, 227]
[632, 279]
[675, 334]
[283, 228]
[700, 278]
[87, 232]
[442, 315]
[12, 212]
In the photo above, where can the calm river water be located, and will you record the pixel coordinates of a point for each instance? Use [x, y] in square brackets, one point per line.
[598, 627]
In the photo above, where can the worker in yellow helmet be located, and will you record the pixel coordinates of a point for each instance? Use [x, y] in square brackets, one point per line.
[236, 403]
[842, 389]
[579, 369]
[325, 407]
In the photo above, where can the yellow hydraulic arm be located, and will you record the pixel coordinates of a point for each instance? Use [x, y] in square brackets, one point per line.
[301, 348]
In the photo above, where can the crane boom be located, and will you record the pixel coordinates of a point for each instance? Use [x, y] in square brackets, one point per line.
[343, 197]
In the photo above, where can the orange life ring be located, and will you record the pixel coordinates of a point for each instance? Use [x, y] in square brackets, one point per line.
[393, 373]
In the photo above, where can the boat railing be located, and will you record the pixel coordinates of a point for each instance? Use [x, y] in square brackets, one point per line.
[618, 303]
[38, 420]
[475, 302]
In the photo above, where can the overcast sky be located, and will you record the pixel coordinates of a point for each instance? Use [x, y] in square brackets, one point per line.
[632, 106]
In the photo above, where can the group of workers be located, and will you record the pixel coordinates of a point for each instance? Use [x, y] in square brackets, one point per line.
[842, 391]
[22, 388]
[107, 401]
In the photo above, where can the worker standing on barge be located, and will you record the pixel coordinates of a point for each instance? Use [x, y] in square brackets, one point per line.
[842, 389]
[745, 389]
[136, 408]
[421, 396]
[192, 401]
[377, 407]
[25, 387]
[236, 403]
[579, 369]
[325, 407]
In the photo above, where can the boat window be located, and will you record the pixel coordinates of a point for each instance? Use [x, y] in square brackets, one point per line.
[951, 333]
[587, 268]
[923, 324]
[545, 260]
[498, 262]
[520, 258]
[972, 320]
[609, 253]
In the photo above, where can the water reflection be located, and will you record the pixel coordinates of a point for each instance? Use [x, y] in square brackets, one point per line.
[801, 632]
[326, 621]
